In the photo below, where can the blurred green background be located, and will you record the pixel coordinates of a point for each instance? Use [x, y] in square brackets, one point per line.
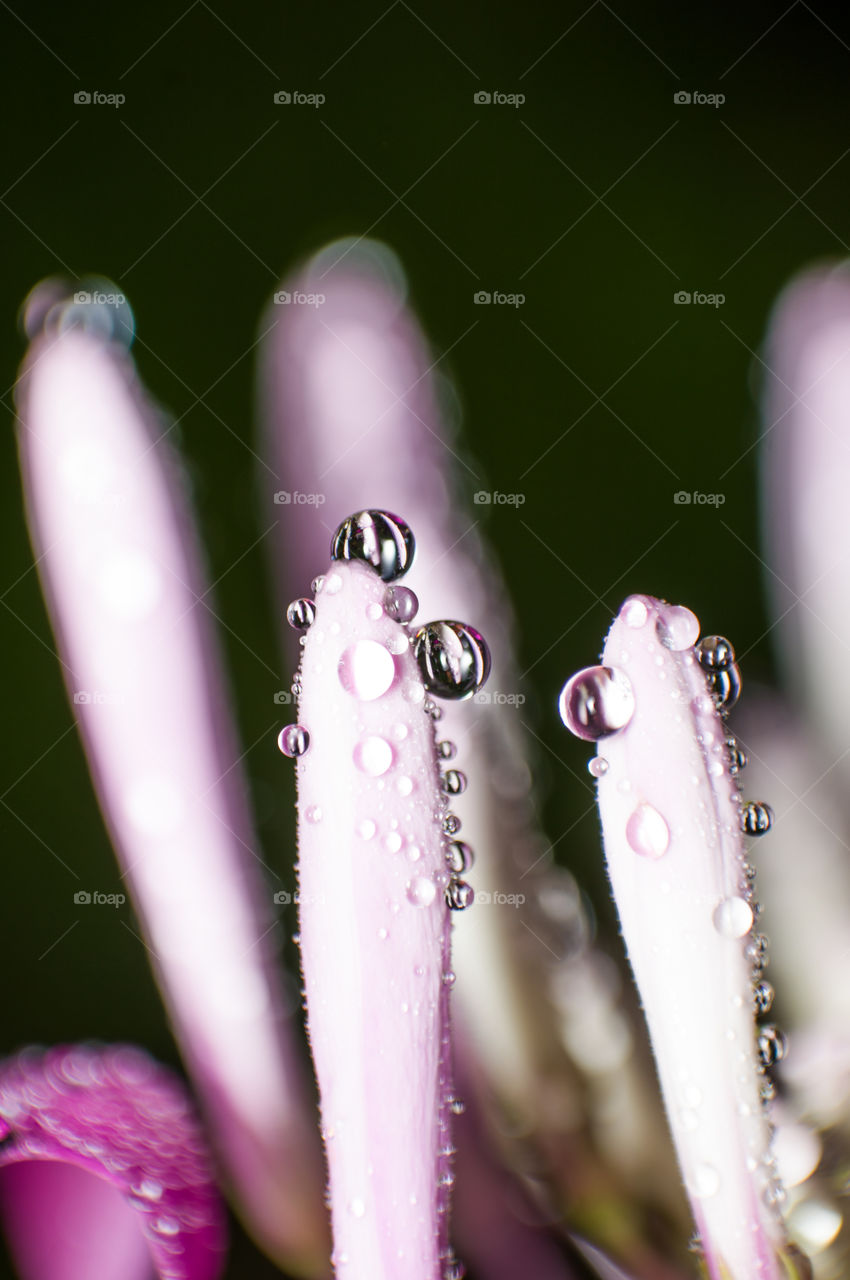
[598, 198]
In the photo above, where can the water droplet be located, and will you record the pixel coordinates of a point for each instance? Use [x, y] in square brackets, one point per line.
[449, 978]
[715, 652]
[357, 1207]
[301, 614]
[705, 1181]
[414, 853]
[379, 539]
[647, 832]
[366, 670]
[459, 856]
[724, 684]
[317, 584]
[733, 918]
[453, 659]
[457, 1106]
[446, 750]
[737, 756]
[453, 782]
[459, 895]
[366, 829]
[404, 786]
[399, 732]
[293, 740]
[597, 766]
[421, 891]
[772, 1045]
[373, 756]
[374, 611]
[392, 842]
[756, 951]
[401, 604]
[756, 818]
[677, 628]
[452, 1270]
[596, 702]
[313, 813]
[763, 994]
[634, 612]
[451, 824]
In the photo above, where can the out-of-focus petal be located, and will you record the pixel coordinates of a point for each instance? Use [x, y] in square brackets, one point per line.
[120, 569]
[104, 1170]
[375, 934]
[672, 825]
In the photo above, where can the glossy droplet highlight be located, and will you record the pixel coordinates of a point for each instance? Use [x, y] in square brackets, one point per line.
[366, 670]
[453, 659]
[634, 613]
[724, 685]
[453, 782]
[459, 895]
[596, 702]
[373, 756]
[597, 766]
[401, 603]
[301, 614]
[733, 917]
[293, 740]
[377, 538]
[459, 856]
[756, 818]
[647, 832]
[677, 627]
[763, 998]
[714, 653]
[421, 891]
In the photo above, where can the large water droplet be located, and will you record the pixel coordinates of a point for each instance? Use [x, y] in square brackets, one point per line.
[401, 603]
[301, 614]
[714, 652]
[596, 702]
[756, 818]
[647, 832]
[379, 539]
[459, 895]
[373, 756]
[733, 918]
[634, 613]
[453, 659]
[366, 670]
[459, 856]
[677, 628]
[293, 740]
[421, 891]
[453, 782]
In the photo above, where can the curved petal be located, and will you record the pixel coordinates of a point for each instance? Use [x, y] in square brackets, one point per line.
[375, 934]
[104, 1170]
[672, 826]
[120, 567]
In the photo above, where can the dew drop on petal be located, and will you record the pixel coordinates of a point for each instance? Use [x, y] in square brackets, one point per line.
[596, 702]
[733, 917]
[379, 539]
[597, 766]
[293, 740]
[404, 785]
[459, 895]
[373, 756]
[374, 611]
[366, 670]
[332, 585]
[705, 1182]
[401, 604]
[301, 614]
[634, 612]
[421, 891]
[392, 842]
[313, 813]
[357, 1207]
[647, 832]
[366, 829]
[677, 628]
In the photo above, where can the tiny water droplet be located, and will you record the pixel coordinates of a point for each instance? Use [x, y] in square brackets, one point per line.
[366, 829]
[453, 782]
[378, 538]
[401, 604]
[733, 918]
[333, 584]
[596, 702]
[647, 832]
[459, 856]
[317, 584]
[404, 785]
[357, 1207]
[756, 951]
[459, 895]
[293, 740]
[392, 842]
[451, 824]
[453, 659]
[313, 813]
[366, 670]
[597, 766]
[763, 994]
[634, 613]
[446, 750]
[421, 891]
[373, 756]
[772, 1045]
[756, 818]
[399, 731]
[374, 611]
[705, 1182]
[457, 1106]
[677, 628]
[301, 614]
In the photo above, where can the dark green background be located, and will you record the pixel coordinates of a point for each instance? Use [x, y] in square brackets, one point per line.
[733, 200]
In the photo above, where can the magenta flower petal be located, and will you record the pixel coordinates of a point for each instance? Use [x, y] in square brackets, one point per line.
[104, 1169]
[121, 572]
[672, 826]
[375, 934]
